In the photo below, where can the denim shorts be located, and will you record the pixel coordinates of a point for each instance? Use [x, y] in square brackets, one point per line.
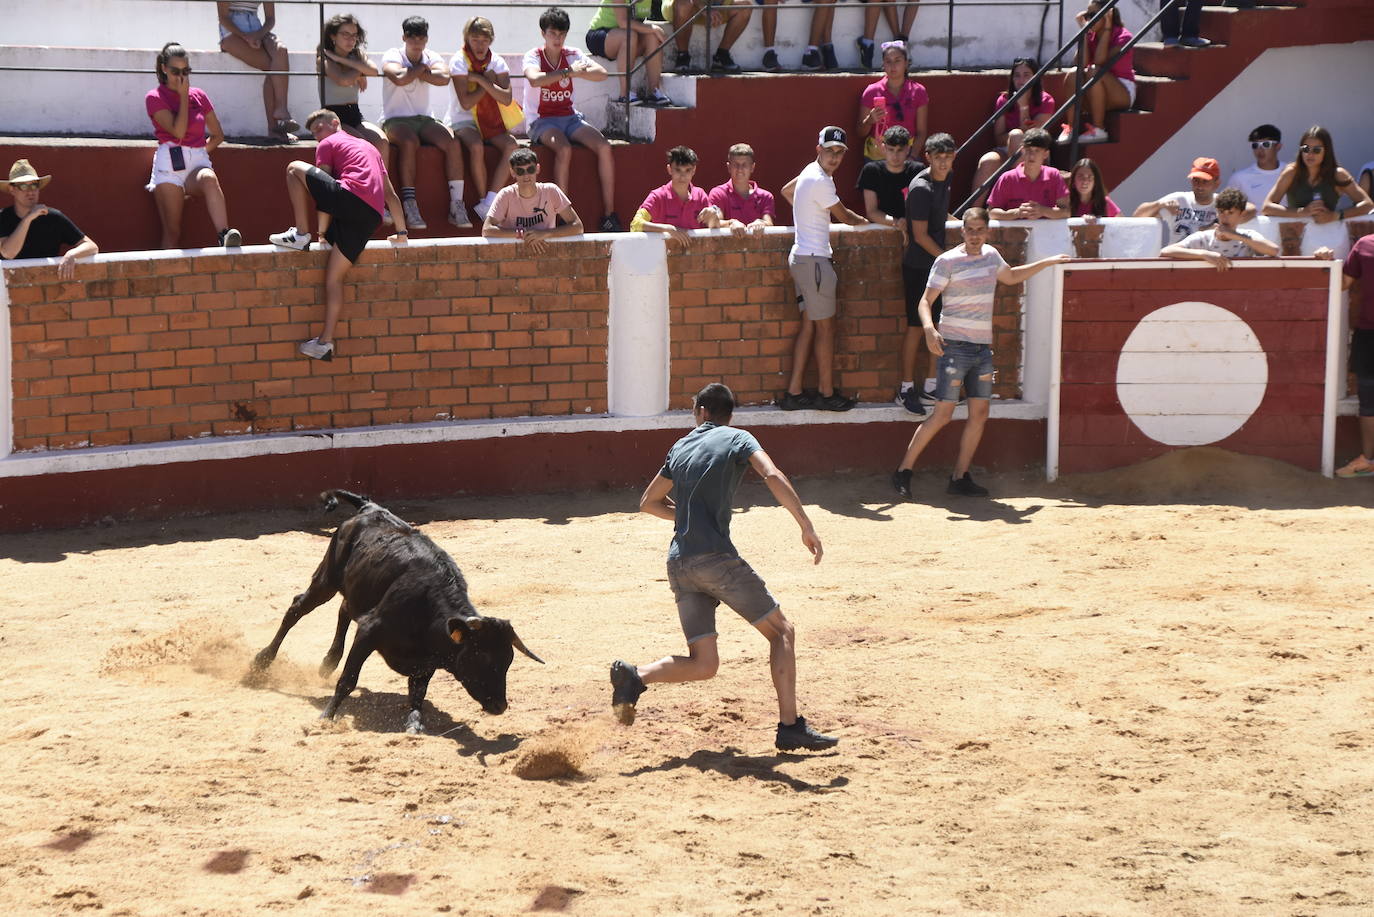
[567, 125]
[700, 582]
[964, 365]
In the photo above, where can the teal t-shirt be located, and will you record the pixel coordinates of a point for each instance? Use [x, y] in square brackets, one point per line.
[705, 467]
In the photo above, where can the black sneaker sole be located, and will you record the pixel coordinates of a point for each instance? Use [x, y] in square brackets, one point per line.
[816, 744]
[626, 687]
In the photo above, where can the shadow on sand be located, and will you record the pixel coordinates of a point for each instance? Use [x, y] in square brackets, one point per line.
[735, 764]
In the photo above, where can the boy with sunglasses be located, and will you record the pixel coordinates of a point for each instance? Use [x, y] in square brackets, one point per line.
[1257, 180]
[529, 210]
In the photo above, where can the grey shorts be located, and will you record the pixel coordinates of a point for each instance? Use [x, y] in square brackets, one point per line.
[815, 280]
[700, 582]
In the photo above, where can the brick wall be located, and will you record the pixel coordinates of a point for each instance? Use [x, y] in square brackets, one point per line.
[733, 316]
[166, 349]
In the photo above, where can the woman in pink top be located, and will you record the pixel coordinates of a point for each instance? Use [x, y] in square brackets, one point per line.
[1087, 193]
[1031, 110]
[896, 99]
[1116, 90]
[187, 129]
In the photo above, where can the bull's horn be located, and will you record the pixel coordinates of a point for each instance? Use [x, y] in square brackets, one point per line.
[519, 644]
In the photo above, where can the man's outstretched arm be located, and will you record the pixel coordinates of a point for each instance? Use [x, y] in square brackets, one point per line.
[786, 495]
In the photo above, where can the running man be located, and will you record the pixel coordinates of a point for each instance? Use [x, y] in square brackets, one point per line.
[694, 490]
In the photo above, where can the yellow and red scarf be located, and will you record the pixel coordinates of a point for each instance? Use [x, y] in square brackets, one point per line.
[487, 111]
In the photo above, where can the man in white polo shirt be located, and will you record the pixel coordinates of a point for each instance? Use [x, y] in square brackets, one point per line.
[814, 201]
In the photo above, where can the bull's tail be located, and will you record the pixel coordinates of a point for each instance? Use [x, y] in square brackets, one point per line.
[331, 499]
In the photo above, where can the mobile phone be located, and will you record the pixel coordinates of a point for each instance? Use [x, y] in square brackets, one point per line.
[178, 159]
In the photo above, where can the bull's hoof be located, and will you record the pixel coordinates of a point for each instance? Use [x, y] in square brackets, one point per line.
[262, 660]
[327, 667]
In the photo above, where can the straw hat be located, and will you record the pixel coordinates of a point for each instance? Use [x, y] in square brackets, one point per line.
[22, 172]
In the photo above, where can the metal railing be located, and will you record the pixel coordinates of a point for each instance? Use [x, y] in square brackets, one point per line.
[1074, 102]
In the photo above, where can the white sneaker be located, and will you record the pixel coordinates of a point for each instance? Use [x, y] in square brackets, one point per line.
[483, 206]
[1065, 135]
[290, 239]
[317, 351]
[1093, 135]
[458, 215]
[386, 216]
[412, 215]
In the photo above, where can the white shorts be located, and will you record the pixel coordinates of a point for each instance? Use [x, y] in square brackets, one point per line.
[1130, 90]
[194, 158]
[246, 21]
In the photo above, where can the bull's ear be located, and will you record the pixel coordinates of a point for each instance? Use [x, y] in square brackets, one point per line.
[458, 629]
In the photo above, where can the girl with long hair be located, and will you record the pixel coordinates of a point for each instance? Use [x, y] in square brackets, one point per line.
[1313, 182]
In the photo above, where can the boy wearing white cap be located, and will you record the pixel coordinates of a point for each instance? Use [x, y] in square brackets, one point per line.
[814, 202]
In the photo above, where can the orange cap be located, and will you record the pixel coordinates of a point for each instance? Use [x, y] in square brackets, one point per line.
[1205, 168]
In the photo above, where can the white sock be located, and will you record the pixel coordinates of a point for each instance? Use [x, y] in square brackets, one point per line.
[455, 190]
[773, 48]
[907, 386]
[812, 48]
[490, 196]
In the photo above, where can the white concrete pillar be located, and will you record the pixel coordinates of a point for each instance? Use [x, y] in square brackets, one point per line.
[637, 347]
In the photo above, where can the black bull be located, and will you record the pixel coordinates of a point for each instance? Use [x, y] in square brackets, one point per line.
[411, 604]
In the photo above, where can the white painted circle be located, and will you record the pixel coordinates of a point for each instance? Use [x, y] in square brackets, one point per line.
[1191, 374]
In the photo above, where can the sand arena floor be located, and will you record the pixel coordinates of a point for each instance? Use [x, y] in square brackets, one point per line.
[1141, 693]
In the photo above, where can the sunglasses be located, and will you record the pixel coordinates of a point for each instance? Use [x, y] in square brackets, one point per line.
[526, 170]
[1312, 149]
[179, 71]
[1263, 144]
[24, 186]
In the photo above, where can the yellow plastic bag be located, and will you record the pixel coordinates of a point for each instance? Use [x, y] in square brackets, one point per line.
[512, 115]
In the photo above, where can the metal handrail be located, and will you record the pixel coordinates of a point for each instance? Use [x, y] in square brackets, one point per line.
[1080, 87]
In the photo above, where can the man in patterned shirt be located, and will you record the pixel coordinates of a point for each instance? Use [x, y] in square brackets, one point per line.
[967, 275]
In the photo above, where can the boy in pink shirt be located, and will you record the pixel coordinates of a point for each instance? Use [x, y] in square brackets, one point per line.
[529, 210]
[347, 184]
[743, 205]
[677, 205]
[1032, 190]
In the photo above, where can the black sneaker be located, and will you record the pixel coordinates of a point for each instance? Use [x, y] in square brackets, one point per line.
[811, 59]
[790, 402]
[828, 55]
[799, 735]
[835, 402]
[965, 487]
[722, 62]
[683, 65]
[611, 223]
[901, 481]
[865, 52]
[770, 61]
[911, 400]
[626, 686]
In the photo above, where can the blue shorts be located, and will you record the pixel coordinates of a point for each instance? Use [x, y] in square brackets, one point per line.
[966, 366]
[566, 124]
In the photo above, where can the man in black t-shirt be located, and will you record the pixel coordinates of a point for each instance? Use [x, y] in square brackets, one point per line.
[884, 181]
[927, 208]
[29, 229]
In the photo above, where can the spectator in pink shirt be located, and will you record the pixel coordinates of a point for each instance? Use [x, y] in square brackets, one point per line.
[743, 205]
[1089, 197]
[347, 183]
[895, 100]
[187, 131]
[1032, 190]
[529, 210]
[1116, 90]
[678, 205]
[1033, 109]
